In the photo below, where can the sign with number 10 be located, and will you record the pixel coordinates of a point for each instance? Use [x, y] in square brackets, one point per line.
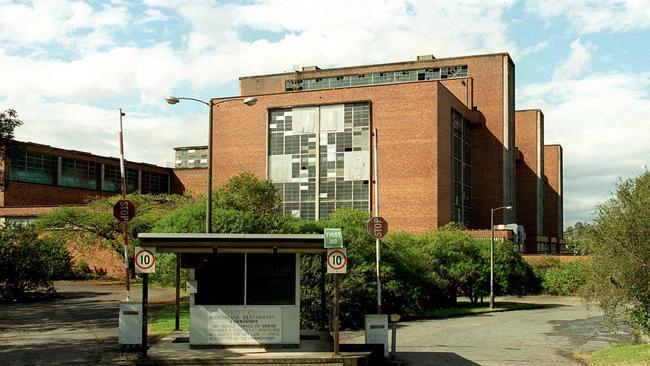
[145, 260]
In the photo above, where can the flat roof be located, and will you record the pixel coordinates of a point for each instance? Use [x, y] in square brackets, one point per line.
[398, 63]
[208, 243]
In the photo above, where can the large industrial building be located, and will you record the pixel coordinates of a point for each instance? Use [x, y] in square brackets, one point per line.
[447, 145]
[450, 147]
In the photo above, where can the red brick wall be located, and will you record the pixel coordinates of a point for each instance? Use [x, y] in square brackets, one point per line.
[406, 116]
[31, 194]
[553, 191]
[529, 142]
[192, 181]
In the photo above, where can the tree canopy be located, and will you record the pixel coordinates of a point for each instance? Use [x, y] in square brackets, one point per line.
[8, 147]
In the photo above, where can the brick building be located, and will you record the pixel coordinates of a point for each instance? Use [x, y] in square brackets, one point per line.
[43, 177]
[445, 143]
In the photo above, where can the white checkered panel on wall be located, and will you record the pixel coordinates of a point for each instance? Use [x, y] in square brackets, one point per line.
[339, 135]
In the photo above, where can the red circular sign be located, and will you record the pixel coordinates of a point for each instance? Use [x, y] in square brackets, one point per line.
[124, 210]
[144, 259]
[337, 259]
[377, 227]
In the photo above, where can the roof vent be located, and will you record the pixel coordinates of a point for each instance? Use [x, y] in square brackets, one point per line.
[426, 58]
[310, 68]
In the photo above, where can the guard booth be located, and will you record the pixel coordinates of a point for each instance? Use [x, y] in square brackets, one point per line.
[244, 288]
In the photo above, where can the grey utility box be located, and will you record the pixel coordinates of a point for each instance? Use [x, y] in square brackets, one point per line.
[376, 326]
[130, 323]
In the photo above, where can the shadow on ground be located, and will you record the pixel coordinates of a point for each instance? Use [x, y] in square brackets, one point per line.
[433, 359]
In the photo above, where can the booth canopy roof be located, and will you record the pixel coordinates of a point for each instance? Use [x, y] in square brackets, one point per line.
[207, 243]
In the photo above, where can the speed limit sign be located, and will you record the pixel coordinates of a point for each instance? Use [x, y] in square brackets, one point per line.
[337, 260]
[145, 260]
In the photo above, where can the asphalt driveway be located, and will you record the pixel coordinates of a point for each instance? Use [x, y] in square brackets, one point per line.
[545, 336]
[81, 327]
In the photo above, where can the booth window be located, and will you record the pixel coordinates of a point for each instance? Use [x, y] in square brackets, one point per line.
[221, 281]
[271, 279]
[266, 279]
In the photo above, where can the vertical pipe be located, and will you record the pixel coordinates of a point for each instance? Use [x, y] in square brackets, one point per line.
[377, 247]
[208, 209]
[336, 314]
[145, 301]
[491, 258]
[178, 292]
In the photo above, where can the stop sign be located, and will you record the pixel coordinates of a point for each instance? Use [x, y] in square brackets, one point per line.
[377, 227]
[124, 210]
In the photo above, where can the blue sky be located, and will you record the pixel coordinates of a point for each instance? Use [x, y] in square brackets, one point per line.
[68, 66]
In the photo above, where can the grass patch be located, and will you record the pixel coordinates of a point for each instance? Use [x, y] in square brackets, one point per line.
[623, 355]
[163, 320]
[466, 308]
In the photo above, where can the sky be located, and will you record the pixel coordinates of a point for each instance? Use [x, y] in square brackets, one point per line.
[68, 66]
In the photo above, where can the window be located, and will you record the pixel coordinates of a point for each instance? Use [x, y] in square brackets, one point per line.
[78, 174]
[265, 279]
[35, 168]
[132, 184]
[154, 183]
[319, 158]
[221, 281]
[401, 76]
[112, 178]
[462, 169]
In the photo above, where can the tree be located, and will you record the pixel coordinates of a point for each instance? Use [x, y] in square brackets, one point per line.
[8, 147]
[96, 218]
[244, 192]
[618, 241]
[574, 235]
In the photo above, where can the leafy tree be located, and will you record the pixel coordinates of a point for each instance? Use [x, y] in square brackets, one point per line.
[618, 241]
[575, 236]
[244, 192]
[96, 218]
[8, 147]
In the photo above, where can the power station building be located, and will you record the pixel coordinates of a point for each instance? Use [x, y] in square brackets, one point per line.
[450, 145]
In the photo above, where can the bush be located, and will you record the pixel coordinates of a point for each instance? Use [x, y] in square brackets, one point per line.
[29, 263]
[418, 272]
[618, 241]
[567, 278]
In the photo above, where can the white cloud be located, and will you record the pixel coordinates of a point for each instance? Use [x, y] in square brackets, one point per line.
[602, 123]
[55, 21]
[536, 48]
[590, 16]
[578, 61]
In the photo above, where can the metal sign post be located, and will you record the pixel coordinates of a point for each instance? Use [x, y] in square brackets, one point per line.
[377, 248]
[336, 314]
[125, 224]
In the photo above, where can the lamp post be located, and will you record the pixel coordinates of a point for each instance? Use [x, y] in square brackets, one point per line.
[492, 211]
[249, 101]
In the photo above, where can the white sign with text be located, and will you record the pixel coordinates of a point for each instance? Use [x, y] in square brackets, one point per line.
[245, 326]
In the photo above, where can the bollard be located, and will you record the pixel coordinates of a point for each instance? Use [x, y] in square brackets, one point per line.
[394, 318]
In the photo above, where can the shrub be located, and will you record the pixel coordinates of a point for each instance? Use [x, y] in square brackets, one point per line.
[567, 278]
[29, 263]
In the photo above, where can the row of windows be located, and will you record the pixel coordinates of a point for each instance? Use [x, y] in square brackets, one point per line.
[377, 78]
[35, 167]
[462, 169]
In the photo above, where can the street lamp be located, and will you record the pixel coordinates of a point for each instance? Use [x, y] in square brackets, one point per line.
[492, 211]
[249, 101]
